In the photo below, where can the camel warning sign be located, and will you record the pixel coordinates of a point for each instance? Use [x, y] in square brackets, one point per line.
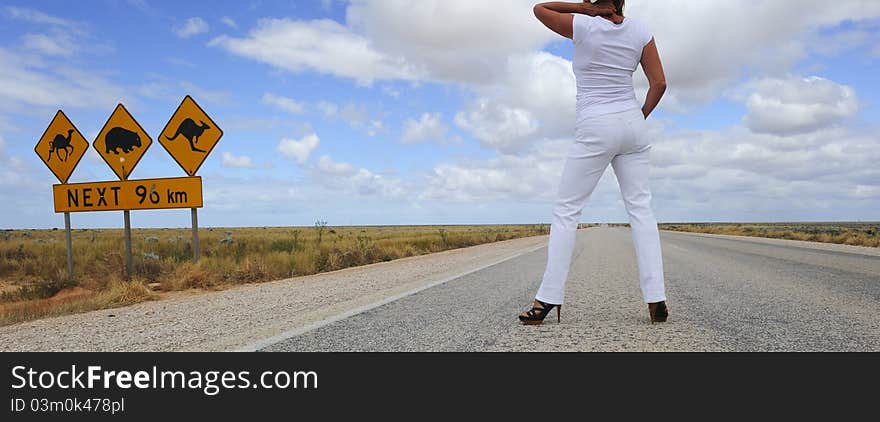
[61, 147]
[122, 142]
[190, 136]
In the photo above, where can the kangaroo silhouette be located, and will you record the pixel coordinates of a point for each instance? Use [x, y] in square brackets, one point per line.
[191, 131]
[58, 144]
[119, 137]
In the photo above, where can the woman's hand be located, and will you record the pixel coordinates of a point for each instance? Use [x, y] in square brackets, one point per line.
[556, 15]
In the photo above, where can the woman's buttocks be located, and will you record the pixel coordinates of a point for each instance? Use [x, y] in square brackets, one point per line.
[615, 133]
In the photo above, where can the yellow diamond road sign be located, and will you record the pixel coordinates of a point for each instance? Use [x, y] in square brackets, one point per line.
[61, 146]
[190, 136]
[122, 142]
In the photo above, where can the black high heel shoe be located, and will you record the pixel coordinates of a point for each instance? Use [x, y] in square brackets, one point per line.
[659, 312]
[539, 311]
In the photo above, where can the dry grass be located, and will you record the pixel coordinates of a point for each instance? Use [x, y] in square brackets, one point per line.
[857, 234]
[33, 266]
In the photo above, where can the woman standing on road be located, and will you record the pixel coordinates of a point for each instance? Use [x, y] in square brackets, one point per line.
[610, 129]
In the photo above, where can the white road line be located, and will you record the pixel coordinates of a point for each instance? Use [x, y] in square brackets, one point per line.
[350, 313]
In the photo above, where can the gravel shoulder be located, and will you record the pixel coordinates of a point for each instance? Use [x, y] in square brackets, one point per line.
[242, 317]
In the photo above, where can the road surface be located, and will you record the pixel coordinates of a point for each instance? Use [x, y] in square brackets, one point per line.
[725, 294]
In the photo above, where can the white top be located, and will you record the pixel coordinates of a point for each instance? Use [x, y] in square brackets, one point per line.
[605, 56]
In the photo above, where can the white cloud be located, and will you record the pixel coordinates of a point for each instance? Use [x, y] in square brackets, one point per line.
[797, 105]
[389, 40]
[226, 20]
[534, 98]
[192, 26]
[754, 173]
[357, 116]
[141, 5]
[498, 126]
[58, 44]
[327, 165]
[429, 127]
[327, 108]
[35, 16]
[531, 176]
[696, 72]
[180, 62]
[452, 40]
[839, 42]
[232, 161]
[299, 150]
[347, 178]
[287, 104]
[716, 175]
[374, 127]
[28, 81]
[168, 89]
[391, 92]
[323, 46]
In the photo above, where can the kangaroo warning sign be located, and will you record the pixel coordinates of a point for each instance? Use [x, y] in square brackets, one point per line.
[147, 194]
[190, 136]
[61, 147]
[122, 142]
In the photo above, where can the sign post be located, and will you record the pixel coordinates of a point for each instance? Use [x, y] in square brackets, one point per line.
[69, 245]
[189, 136]
[61, 148]
[195, 228]
[128, 264]
[121, 143]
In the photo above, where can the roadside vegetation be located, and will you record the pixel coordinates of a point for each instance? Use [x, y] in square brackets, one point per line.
[857, 234]
[33, 264]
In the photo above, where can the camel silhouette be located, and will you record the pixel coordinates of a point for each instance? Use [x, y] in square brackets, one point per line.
[61, 143]
[191, 131]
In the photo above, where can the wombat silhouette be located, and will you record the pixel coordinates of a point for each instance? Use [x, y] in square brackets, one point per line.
[191, 131]
[58, 144]
[119, 137]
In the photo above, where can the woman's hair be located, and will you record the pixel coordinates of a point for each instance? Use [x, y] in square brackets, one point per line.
[618, 5]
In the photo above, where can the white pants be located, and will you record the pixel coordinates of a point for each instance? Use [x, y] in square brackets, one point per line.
[619, 139]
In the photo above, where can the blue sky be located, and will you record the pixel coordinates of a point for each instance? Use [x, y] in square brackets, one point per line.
[370, 112]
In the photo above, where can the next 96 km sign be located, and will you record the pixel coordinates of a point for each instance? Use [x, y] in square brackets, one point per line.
[145, 194]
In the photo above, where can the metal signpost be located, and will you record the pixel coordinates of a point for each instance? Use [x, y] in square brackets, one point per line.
[122, 142]
[60, 148]
[189, 136]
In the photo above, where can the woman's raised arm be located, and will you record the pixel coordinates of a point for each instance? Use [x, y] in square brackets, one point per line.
[557, 15]
[656, 78]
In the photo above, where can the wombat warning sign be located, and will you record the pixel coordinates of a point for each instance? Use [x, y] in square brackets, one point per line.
[190, 136]
[122, 142]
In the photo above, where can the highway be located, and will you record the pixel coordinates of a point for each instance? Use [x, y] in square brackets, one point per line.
[725, 294]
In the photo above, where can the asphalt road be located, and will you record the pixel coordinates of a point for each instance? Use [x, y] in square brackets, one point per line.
[725, 294]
